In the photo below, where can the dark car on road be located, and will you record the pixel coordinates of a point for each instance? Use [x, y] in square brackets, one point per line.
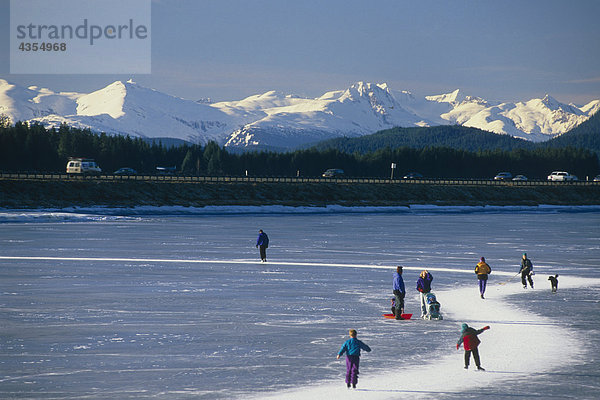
[519, 178]
[413, 175]
[503, 176]
[332, 173]
[125, 171]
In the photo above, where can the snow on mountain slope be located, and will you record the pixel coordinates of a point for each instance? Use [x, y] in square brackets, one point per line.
[536, 120]
[280, 120]
[361, 109]
[109, 100]
[127, 108]
[590, 108]
[23, 104]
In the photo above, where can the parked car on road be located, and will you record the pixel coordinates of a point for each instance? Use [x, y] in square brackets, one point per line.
[333, 172]
[503, 176]
[125, 171]
[413, 175]
[166, 170]
[561, 176]
[519, 178]
[597, 178]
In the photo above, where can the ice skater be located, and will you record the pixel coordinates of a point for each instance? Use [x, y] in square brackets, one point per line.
[424, 287]
[263, 242]
[352, 348]
[399, 292]
[553, 282]
[526, 271]
[470, 342]
[482, 270]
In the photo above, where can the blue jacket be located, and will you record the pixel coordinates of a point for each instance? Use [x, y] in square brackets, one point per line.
[424, 284]
[398, 282]
[263, 240]
[352, 347]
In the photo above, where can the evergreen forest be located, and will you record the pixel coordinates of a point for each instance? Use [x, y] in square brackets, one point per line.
[439, 152]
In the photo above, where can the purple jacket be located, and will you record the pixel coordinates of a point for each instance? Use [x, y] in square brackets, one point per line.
[424, 284]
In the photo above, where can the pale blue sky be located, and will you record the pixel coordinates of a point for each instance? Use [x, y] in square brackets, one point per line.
[229, 49]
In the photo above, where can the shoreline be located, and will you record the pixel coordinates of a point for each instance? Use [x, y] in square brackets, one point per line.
[22, 194]
[44, 214]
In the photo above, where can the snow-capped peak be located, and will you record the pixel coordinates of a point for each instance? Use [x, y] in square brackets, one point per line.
[280, 119]
[108, 100]
[363, 89]
[452, 97]
[551, 102]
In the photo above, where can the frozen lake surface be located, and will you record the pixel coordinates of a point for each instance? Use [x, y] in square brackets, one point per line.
[147, 304]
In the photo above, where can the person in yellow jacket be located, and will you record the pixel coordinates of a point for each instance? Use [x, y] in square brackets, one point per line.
[482, 270]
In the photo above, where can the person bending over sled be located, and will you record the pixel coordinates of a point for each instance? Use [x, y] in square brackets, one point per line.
[352, 349]
[470, 342]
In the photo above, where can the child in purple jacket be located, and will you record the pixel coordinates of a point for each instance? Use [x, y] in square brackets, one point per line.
[352, 349]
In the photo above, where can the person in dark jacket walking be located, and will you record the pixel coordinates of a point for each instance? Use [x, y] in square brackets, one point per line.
[263, 242]
[424, 287]
[399, 292]
[470, 342]
[526, 271]
[482, 270]
[352, 348]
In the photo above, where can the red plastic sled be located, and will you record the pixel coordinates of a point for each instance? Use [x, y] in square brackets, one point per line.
[392, 316]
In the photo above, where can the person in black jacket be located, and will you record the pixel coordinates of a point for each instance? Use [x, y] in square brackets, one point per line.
[526, 271]
[263, 242]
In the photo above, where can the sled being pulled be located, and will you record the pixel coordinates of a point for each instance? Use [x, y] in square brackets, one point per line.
[433, 307]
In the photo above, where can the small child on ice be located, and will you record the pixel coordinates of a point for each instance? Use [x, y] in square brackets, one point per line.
[470, 340]
[352, 349]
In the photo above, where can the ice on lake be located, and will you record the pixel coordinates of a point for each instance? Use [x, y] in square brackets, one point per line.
[157, 304]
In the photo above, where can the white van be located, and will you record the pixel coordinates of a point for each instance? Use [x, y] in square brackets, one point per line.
[84, 166]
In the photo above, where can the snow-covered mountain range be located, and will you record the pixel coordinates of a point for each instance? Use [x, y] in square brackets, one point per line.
[283, 121]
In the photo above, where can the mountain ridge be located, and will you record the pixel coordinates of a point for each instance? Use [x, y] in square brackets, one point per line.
[284, 121]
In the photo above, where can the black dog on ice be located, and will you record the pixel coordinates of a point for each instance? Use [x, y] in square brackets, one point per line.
[554, 282]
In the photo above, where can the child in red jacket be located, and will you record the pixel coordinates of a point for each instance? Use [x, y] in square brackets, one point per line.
[470, 342]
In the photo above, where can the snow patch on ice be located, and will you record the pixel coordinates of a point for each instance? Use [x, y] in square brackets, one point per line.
[515, 347]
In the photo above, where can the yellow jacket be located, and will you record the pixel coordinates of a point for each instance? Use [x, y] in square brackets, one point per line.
[482, 268]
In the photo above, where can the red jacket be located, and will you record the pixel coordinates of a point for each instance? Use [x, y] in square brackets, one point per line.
[469, 338]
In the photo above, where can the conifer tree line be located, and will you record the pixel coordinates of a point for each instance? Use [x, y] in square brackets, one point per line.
[34, 148]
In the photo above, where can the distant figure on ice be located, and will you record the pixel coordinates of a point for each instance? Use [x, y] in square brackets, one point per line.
[482, 270]
[470, 342]
[399, 292]
[526, 271]
[553, 282]
[263, 243]
[424, 287]
[352, 349]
